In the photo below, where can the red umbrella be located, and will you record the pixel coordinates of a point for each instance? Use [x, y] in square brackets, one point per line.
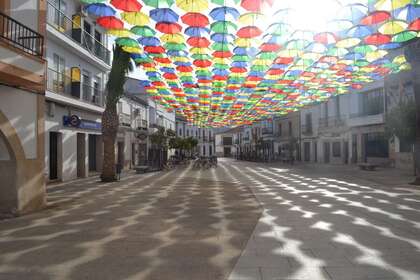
[275, 72]
[127, 5]
[168, 27]
[195, 19]
[325, 38]
[110, 22]
[249, 32]
[255, 5]
[222, 54]
[154, 49]
[163, 60]
[377, 39]
[184, 68]
[284, 60]
[375, 18]
[238, 70]
[220, 78]
[415, 25]
[158, 83]
[199, 42]
[202, 63]
[170, 76]
[266, 47]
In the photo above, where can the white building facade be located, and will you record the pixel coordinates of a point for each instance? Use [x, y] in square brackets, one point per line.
[78, 64]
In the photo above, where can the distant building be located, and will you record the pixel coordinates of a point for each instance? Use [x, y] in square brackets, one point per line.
[227, 142]
[204, 136]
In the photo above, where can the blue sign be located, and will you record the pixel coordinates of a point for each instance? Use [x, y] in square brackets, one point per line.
[75, 121]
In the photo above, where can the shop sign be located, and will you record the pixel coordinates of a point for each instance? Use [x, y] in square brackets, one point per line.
[76, 121]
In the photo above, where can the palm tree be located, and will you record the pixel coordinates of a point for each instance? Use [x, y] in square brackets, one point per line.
[121, 65]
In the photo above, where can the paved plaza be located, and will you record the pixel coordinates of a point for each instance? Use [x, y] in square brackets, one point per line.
[239, 221]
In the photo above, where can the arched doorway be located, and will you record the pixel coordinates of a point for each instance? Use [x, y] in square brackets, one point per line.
[8, 172]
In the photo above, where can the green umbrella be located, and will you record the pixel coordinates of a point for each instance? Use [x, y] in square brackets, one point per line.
[404, 36]
[268, 55]
[361, 62]
[158, 3]
[221, 66]
[220, 47]
[127, 42]
[143, 60]
[224, 2]
[240, 58]
[143, 30]
[203, 73]
[201, 56]
[259, 68]
[364, 49]
[175, 46]
[223, 27]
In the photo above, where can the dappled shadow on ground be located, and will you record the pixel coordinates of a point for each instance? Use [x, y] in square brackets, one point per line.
[327, 226]
[181, 224]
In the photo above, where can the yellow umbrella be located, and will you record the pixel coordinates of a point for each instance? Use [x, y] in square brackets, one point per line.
[194, 6]
[220, 60]
[390, 5]
[172, 38]
[245, 42]
[135, 18]
[119, 32]
[132, 49]
[199, 50]
[180, 59]
[290, 53]
[400, 59]
[251, 18]
[393, 27]
[348, 43]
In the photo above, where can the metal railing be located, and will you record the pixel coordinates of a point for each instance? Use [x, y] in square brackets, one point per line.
[307, 129]
[60, 82]
[91, 94]
[21, 36]
[331, 122]
[65, 25]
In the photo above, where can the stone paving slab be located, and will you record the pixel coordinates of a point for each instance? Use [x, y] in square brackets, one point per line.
[169, 225]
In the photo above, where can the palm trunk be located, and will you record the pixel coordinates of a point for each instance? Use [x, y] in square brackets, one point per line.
[109, 132]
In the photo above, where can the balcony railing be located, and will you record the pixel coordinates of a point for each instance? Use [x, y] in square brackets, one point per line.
[307, 129]
[66, 26]
[60, 82]
[21, 36]
[331, 122]
[267, 131]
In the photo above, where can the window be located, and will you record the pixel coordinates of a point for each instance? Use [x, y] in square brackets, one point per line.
[59, 74]
[336, 149]
[59, 18]
[372, 102]
[308, 122]
[87, 37]
[86, 85]
[290, 129]
[188, 132]
[180, 132]
[210, 150]
[204, 150]
[119, 107]
[376, 144]
[96, 98]
[337, 106]
[227, 141]
[280, 129]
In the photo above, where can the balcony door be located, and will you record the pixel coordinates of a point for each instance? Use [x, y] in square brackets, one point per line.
[59, 74]
[96, 98]
[87, 88]
[59, 19]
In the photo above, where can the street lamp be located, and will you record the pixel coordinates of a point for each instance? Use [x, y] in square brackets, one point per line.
[412, 54]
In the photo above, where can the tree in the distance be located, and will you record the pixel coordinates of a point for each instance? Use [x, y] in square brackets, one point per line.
[121, 65]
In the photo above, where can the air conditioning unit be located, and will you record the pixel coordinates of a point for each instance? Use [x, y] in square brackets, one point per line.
[51, 109]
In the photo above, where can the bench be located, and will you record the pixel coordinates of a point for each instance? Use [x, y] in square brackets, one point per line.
[141, 169]
[368, 166]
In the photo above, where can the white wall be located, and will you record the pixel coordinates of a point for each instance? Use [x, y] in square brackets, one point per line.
[26, 12]
[20, 108]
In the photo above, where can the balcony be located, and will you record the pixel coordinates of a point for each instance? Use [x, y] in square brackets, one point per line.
[21, 36]
[72, 30]
[362, 119]
[60, 83]
[267, 131]
[307, 129]
[124, 120]
[331, 122]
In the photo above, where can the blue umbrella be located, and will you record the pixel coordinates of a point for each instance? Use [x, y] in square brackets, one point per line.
[149, 41]
[222, 37]
[389, 46]
[408, 13]
[220, 72]
[353, 56]
[239, 64]
[224, 14]
[144, 83]
[353, 12]
[177, 53]
[164, 14]
[359, 31]
[100, 10]
[197, 31]
[167, 69]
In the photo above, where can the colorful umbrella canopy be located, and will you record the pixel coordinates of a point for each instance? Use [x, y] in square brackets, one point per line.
[233, 62]
[99, 10]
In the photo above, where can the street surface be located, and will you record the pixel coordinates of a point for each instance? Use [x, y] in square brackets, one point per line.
[238, 221]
